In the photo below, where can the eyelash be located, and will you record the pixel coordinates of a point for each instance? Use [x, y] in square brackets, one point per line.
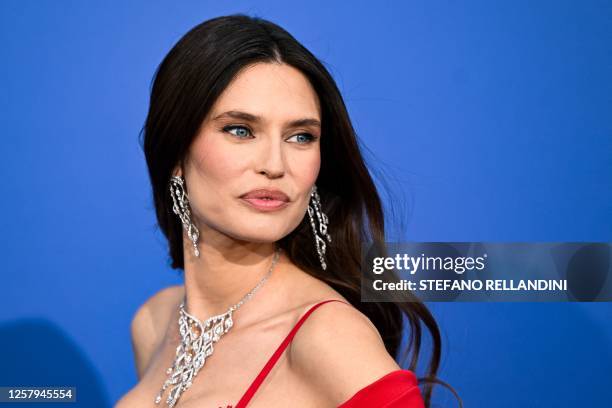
[228, 128]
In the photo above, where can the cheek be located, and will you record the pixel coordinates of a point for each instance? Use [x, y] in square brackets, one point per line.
[304, 172]
[305, 168]
[211, 165]
[215, 161]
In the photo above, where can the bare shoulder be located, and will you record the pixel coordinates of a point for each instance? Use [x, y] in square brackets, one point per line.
[149, 323]
[338, 351]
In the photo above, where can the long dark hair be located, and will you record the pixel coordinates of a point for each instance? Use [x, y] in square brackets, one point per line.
[185, 86]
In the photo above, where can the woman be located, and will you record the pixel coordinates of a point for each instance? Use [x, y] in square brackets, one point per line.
[264, 197]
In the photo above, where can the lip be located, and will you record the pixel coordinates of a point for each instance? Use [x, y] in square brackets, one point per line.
[266, 199]
[262, 204]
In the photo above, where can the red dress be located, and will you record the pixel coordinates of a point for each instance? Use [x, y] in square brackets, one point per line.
[396, 389]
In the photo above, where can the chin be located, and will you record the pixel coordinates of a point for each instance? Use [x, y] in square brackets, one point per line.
[261, 235]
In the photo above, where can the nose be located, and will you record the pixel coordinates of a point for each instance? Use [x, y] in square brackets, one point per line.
[271, 161]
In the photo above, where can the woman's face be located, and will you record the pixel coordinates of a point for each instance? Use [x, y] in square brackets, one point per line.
[235, 153]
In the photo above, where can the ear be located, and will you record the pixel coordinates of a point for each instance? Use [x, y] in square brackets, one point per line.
[178, 170]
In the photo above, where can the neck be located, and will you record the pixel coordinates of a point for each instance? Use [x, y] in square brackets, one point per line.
[224, 273]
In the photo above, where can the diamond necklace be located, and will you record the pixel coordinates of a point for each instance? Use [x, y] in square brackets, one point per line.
[197, 341]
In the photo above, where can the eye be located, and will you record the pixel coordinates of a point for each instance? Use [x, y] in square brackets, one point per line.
[241, 130]
[304, 138]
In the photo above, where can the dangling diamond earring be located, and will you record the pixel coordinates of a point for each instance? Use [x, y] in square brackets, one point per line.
[181, 208]
[315, 207]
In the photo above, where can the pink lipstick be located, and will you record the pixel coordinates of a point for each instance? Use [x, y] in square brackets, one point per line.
[266, 199]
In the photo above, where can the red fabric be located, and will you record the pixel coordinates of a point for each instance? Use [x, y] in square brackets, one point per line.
[393, 390]
[397, 389]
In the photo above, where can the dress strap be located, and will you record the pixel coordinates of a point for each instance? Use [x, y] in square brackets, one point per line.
[279, 351]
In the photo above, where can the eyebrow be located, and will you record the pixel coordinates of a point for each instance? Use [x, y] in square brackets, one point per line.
[256, 119]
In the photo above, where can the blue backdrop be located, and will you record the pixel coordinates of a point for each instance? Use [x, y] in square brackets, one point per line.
[492, 119]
